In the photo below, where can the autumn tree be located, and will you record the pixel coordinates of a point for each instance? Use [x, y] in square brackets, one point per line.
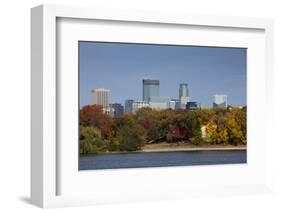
[236, 124]
[149, 120]
[205, 115]
[93, 115]
[100, 132]
[128, 134]
[180, 125]
[211, 132]
[222, 136]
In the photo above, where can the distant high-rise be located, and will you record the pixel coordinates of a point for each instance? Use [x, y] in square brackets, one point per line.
[117, 108]
[183, 91]
[220, 101]
[183, 95]
[150, 89]
[129, 105]
[101, 96]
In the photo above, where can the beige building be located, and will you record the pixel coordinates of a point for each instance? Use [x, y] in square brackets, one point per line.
[101, 96]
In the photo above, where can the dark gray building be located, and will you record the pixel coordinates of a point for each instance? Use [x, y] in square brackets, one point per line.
[118, 109]
[192, 105]
[151, 88]
[129, 105]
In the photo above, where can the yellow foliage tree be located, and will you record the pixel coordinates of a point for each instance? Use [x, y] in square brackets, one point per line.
[211, 132]
[222, 136]
[235, 130]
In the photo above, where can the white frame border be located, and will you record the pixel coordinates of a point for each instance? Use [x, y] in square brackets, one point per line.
[43, 88]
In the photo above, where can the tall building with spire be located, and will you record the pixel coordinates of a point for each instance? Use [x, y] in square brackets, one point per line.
[183, 95]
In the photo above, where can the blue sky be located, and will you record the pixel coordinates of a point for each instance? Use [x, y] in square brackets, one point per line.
[121, 68]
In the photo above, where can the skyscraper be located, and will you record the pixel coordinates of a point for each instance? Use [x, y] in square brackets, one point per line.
[101, 96]
[183, 90]
[150, 89]
[220, 101]
[183, 95]
[129, 105]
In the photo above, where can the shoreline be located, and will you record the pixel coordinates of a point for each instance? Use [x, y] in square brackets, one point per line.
[183, 146]
[192, 149]
[178, 148]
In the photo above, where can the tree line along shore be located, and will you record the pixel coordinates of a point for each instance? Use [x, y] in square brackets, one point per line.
[150, 129]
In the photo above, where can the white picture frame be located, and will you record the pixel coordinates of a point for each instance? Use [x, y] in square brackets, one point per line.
[46, 162]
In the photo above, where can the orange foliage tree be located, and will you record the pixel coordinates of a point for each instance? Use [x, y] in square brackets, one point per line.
[93, 115]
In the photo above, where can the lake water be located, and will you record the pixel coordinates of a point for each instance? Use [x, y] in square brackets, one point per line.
[161, 159]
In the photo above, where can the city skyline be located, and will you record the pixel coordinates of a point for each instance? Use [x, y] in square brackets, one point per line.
[151, 98]
[116, 72]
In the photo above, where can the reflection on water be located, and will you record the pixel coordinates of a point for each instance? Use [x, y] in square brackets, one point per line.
[161, 159]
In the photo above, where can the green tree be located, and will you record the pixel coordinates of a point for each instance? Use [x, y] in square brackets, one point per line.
[91, 141]
[129, 135]
[149, 120]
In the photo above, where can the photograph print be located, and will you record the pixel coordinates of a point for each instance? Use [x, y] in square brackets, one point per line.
[150, 105]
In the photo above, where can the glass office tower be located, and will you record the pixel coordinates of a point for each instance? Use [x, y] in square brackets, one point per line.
[150, 89]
